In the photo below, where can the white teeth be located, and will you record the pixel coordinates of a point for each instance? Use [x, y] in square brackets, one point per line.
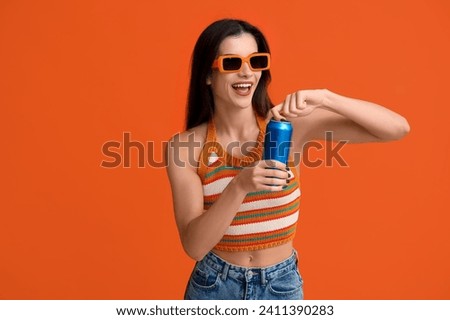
[242, 85]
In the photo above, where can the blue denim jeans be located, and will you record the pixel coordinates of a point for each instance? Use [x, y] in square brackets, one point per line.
[215, 279]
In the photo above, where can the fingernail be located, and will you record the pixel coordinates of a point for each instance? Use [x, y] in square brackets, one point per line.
[283, 187]
[287, 181]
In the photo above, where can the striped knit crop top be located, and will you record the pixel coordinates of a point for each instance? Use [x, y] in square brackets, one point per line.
[265, 218]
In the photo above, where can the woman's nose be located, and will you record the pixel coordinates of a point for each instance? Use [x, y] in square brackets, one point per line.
[246, 71]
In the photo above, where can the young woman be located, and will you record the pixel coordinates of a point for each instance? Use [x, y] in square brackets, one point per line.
[236, 214]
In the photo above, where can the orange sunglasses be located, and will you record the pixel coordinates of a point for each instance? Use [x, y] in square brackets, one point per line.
[234, 62]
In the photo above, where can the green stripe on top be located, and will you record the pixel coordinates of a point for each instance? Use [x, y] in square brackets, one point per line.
[254, 215]
[219, 169]
[258, 193]
[288, 232]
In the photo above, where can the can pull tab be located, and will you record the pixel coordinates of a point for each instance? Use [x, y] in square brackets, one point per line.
[281, 120]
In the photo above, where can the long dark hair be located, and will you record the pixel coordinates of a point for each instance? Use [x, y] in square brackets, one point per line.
[200, 105]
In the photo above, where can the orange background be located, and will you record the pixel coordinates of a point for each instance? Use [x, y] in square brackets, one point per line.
[76, 74]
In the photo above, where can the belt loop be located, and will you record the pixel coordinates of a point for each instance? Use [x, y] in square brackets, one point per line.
[296, 257]
[263, 277]
[225, 269]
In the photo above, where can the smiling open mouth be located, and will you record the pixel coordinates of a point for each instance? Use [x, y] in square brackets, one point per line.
[242, 88]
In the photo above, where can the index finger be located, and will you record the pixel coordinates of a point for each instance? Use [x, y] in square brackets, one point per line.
[275, 112]
[274, 164]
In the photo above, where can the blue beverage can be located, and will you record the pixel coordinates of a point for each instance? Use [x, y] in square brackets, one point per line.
[277, 141]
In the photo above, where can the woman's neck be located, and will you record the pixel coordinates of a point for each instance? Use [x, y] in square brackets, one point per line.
[236, 125]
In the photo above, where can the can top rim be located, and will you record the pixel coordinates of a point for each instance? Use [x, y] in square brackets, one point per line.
[281, 120]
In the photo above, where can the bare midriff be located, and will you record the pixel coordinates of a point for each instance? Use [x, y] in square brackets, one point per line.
[257, 258]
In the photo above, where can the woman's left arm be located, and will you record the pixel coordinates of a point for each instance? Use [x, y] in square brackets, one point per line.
[314, 112]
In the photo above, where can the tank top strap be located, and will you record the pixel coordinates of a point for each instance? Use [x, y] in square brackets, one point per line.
[262, 129]
[211, 131]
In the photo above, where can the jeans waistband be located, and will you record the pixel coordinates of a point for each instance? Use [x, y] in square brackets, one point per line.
[262, 274]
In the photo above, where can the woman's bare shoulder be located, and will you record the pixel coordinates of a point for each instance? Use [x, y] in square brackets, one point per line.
[185, 147]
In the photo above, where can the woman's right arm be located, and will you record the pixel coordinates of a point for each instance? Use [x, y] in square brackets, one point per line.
[201, 230]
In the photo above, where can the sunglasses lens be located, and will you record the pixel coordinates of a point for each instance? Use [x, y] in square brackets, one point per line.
[231, 63]
[259, 62]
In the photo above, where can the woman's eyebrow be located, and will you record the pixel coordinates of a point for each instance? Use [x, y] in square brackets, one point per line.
[234, 54]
